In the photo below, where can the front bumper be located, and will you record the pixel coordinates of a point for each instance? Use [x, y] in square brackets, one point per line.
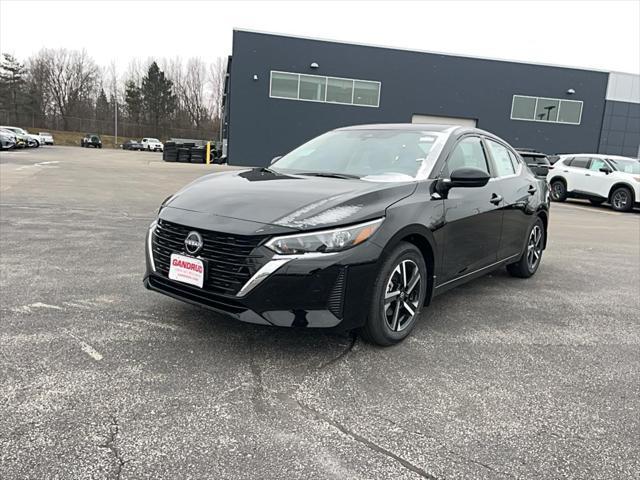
[313, 291]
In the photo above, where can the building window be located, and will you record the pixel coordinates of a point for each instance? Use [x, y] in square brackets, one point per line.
[284, 85]
[541, 109]
[316, 88]
[312, 88]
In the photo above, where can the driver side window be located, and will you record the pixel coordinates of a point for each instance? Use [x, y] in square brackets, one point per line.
[469, 153]
[597, 164]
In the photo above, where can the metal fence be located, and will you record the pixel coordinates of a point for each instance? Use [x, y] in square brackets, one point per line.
[125, 128]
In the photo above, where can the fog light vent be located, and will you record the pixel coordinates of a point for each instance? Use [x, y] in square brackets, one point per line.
[336, 297]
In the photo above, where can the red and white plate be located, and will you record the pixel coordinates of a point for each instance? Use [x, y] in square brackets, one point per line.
[186, 270]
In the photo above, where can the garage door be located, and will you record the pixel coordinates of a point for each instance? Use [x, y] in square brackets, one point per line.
[466, 122]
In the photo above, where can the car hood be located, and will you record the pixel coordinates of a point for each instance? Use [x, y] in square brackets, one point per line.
[292, 201]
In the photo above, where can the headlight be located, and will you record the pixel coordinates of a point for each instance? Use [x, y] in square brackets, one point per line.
[325, 241]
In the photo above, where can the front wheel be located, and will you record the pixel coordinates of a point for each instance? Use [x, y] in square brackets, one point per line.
[530, 260]
[622, 199]
[398, 295]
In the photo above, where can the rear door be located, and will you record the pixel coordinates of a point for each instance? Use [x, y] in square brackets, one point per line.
[473, 219]
[574, 171]
[517, 186]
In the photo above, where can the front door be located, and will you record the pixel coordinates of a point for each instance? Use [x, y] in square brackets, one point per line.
[473, 219]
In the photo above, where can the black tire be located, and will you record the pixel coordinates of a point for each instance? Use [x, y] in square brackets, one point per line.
[99, 146]
[596, 202]
[524, 267]
[377, 329]
[622, 199]
[558, 191]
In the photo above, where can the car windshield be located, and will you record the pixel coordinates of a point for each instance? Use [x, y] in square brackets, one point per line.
[155, 140]
[394, 154]
[626, 166]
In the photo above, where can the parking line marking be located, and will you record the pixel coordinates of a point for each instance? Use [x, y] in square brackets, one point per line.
[576, 207]
[88, 349]
[45, 305]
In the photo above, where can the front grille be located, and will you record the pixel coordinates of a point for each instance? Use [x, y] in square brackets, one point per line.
[196, 294]
[228, 257]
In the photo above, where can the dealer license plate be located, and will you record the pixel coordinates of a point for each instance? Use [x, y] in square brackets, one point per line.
[186, 270]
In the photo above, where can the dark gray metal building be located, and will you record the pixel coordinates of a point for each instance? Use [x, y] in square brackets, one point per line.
[282, 90]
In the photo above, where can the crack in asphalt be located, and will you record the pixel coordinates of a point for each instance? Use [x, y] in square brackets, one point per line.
[111, 445]
[446, 448]
[366, 442]
[343, 354]
[257, 396]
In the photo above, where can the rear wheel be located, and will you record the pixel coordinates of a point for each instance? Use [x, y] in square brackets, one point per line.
[622, 199]
[529, 262]
[558, 191]
[398, 295]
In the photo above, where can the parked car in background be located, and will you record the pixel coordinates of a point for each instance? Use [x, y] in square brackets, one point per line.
[22, 135]
[152, 144]
[358, 228]
[132, 145]
[553, 159]
[46, 137]
[538, 162]
[598, 178]
[7, 139]
[91, 140]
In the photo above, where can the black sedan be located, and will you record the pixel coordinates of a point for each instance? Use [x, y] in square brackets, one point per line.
[357, 229]
[132, 145]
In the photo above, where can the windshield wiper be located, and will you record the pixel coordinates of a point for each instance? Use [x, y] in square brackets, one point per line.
[330, 175]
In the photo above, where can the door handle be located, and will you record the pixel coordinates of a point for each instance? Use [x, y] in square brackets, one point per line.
[565, 171]
[587, 174]
[532, 190]
[496, 199]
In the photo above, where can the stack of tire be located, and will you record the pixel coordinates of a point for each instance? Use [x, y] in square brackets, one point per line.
[170, 153]
[198, 154]
[184, 152]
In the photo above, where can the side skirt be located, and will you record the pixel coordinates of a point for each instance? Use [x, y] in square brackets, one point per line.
[448, 285]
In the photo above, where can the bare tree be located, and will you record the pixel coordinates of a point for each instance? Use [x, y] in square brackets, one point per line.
[193, 90]
[217, 75]
[71, 79]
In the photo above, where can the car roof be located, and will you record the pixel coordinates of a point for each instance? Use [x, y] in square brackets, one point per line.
[597, 155]
[423, 127]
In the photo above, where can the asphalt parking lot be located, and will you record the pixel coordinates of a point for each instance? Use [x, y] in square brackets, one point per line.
[99, 378]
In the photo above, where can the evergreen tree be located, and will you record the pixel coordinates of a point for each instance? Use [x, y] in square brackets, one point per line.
[133, 101]
[12, 83]
[102, 106]
[157, 94]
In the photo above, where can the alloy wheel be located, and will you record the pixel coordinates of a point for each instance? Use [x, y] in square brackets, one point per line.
[620, 199]
[402, 295]
[534, 247]
[558, 190]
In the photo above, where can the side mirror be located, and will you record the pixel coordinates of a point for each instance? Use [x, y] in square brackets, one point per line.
[275, 159]
[606, 170]
[466, 177]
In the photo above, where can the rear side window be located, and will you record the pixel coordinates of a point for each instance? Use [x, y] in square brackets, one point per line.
[501, 159]
[467, 153]
[579, 162]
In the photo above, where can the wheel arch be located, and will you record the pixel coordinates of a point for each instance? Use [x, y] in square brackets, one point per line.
[620, 184]
[558, 177]
[544, 216]
[422, 238]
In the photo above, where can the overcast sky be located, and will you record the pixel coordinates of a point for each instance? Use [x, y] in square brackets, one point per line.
[602, 35]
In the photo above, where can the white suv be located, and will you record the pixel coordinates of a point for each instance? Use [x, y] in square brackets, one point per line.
[152, 144]
[598, 178]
